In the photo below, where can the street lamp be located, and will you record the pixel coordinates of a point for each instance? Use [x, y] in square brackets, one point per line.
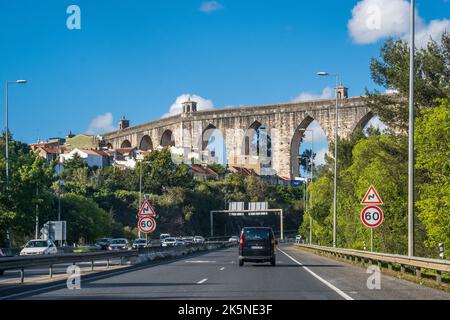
[336, 137]
[140, 190]
[411, 138]
[7, 83]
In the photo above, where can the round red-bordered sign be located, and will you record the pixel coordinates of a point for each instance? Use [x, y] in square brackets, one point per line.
[372, 216]
[147, 225]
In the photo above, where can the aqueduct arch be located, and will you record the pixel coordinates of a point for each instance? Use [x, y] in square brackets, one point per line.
[126, 144]
[167, 139]
[146, 143]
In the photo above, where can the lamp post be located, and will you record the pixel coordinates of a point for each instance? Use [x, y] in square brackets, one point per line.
[336, 137]
[411, 138]
[7, 83]
[140, 190]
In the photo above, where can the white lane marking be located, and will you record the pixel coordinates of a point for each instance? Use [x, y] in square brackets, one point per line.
[223, 268]
[199, 261]
[202, 281]
[337, 290]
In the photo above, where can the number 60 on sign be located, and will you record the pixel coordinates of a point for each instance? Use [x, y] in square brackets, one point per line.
[372, 216]
[147, 225]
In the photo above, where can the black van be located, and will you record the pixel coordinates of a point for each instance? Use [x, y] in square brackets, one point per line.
[257, 245]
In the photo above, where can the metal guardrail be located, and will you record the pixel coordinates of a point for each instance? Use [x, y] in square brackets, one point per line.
[417, 263]
[25, 262]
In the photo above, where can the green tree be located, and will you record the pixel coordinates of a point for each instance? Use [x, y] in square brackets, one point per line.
[29, 185]
[391, 71]
[86, 221]
[433, 165]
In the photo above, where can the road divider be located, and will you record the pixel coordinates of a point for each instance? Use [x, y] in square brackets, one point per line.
[143, 255]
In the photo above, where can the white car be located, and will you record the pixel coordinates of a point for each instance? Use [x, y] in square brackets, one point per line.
[118, 244]
[39, 247]
[180, 242]
[199, 240]
[169, 242]
[234, 239]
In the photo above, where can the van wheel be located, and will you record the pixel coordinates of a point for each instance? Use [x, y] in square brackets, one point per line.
[273, 262]
[241, 263]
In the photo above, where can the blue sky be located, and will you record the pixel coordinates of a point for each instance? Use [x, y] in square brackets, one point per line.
[136, 57]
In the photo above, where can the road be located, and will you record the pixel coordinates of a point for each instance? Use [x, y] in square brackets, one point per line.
[216, 276]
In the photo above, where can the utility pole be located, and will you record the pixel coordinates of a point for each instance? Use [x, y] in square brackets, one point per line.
[336, 138]
[7, 143]
[411, 138]
[37, 213]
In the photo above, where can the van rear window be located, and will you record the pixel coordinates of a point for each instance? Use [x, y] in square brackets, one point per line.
[257, 234]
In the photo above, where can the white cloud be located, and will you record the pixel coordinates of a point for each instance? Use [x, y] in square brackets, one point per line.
[210, 6]
[101, 124]
[327, 93]
[177, 108]
[373, 20]
[376, 123]
[433, 30]
[320, 157]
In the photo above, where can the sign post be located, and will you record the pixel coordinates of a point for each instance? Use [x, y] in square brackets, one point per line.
[372, 216]
[147, 214]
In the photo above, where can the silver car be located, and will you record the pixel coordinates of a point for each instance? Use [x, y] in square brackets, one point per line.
[118, 244]
[169, 242]
[139, 243]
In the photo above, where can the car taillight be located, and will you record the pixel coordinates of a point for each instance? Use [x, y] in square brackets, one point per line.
[241, 241]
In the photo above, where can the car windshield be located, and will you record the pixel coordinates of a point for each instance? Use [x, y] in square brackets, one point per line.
[170, 240]
[140, 241]
[37, 244]
[118, 242]
[256, 234]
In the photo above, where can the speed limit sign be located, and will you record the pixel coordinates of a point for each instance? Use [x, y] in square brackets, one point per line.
[372, 216]
[147, 225]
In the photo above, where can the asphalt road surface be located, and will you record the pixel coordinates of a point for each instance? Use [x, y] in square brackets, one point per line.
[217, 276]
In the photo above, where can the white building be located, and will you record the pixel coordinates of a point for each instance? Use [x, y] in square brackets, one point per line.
[93, 158]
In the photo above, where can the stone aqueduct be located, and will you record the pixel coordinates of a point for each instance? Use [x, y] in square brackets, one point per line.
[284, 124]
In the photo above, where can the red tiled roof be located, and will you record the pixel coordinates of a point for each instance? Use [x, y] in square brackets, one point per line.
[93, 152]
[51, 150]
[245, 171]
[204, 170]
